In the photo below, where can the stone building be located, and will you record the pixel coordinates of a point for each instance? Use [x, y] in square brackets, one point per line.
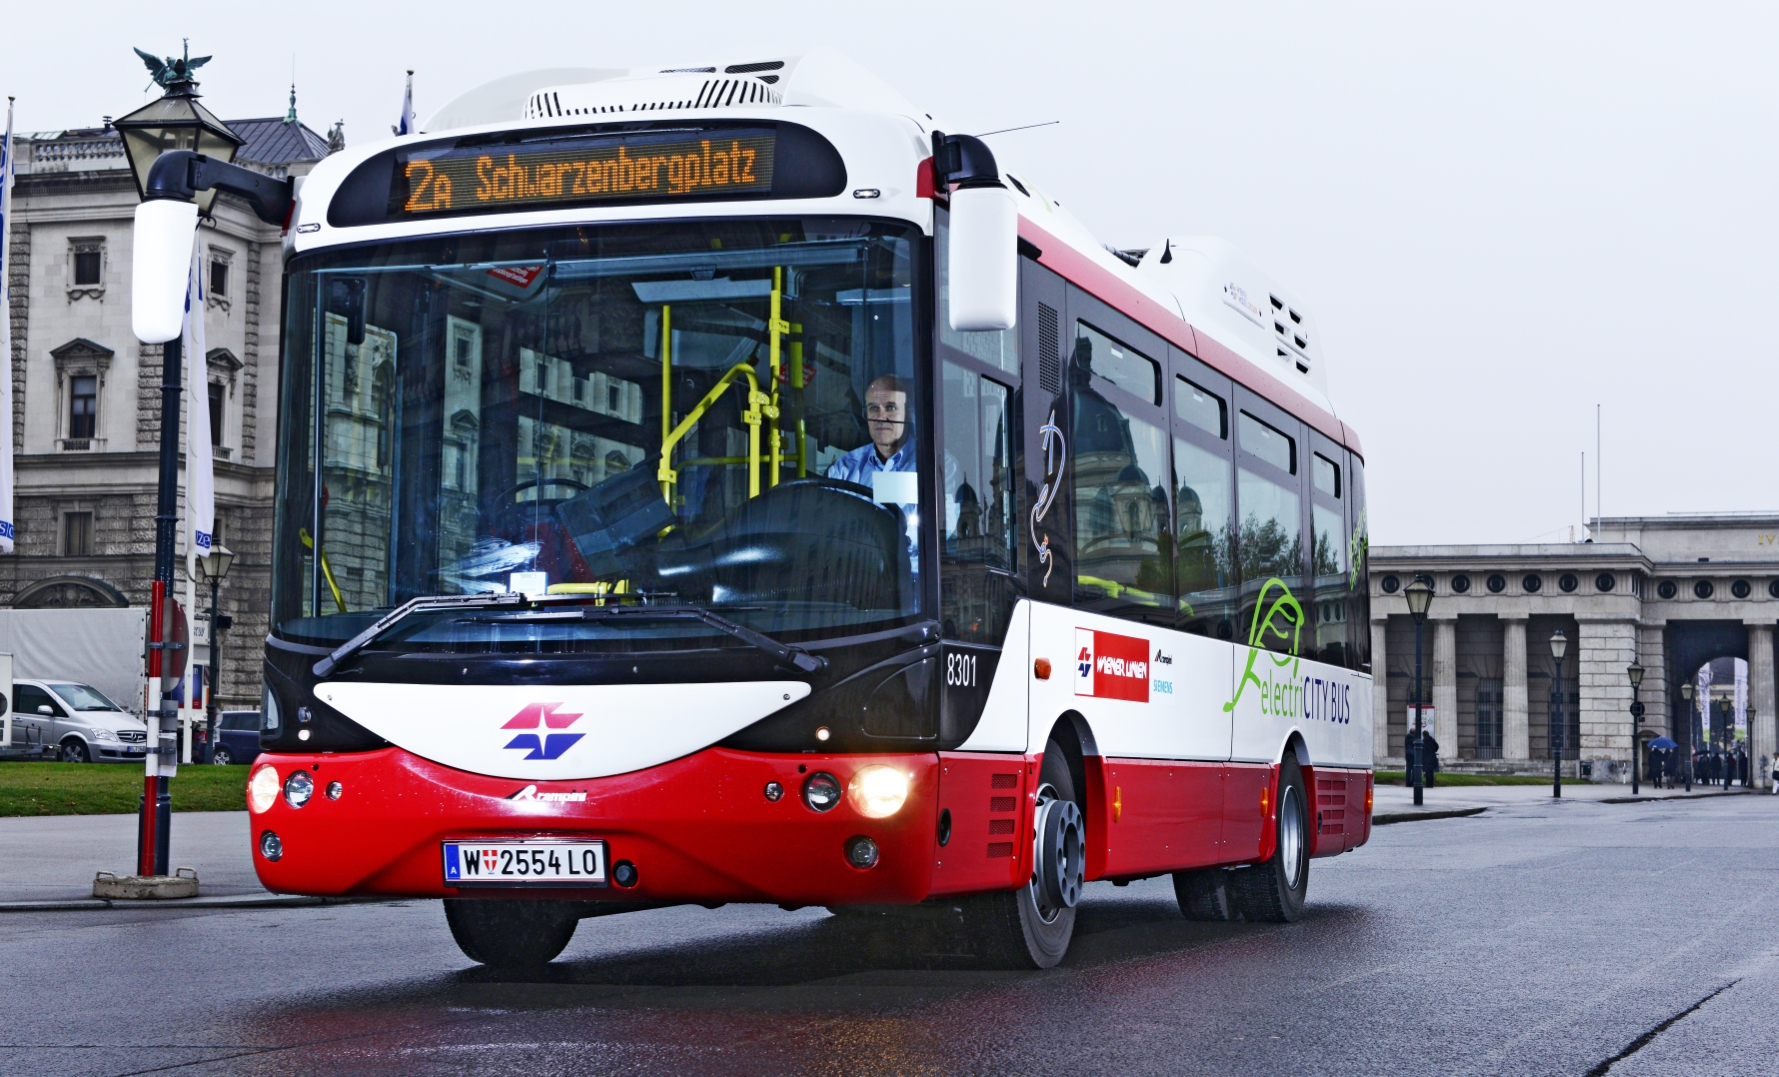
[1671, 593]
[86, 393]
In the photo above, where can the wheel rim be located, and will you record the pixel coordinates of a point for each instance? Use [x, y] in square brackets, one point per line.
[1058, 861]
[1291, 836]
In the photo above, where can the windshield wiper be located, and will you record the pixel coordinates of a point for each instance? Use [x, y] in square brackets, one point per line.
[416, 605]
[792, 656]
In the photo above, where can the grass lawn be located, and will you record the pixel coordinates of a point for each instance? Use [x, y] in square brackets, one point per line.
[1395, 777]
[113, 788]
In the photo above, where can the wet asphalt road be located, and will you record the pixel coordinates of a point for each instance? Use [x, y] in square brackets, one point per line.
[1537, 939]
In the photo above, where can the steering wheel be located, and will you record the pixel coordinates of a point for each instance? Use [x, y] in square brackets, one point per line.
[515, 490]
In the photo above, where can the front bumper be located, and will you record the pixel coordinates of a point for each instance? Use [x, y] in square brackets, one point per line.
[698, 829]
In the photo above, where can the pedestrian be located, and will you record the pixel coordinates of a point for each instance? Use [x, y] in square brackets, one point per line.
[1430, 756]
[1742, 766]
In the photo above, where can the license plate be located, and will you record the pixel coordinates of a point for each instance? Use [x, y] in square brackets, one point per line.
[537, 862]
[135, 749]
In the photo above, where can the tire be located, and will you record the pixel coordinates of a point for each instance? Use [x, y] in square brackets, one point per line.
[220, 756]
[1273, 891]
[1205, 895]
[74, 750]
[1030, 928]
[511, 934]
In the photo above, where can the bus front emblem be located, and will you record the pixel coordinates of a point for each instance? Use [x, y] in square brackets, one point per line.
[553, 744]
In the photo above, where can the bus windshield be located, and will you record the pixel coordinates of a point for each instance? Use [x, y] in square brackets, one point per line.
[713, 413]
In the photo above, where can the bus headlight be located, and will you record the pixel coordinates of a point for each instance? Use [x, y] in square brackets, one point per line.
[877, 791]
[298, 788]
[262, 788]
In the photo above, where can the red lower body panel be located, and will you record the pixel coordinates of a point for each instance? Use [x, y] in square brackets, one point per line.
[698, 829]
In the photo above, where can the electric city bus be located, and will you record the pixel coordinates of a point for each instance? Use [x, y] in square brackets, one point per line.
[722, 484]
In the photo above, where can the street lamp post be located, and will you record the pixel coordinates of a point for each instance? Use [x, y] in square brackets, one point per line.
[1559, 646]
[1419, 594]
[1635, 673]
[1686, 763]
[174, 122]
[213, 568]
[180, 155]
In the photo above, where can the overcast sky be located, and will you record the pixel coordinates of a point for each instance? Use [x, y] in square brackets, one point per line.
[1500, 216]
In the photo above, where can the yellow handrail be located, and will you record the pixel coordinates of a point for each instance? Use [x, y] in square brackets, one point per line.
[776, 328]
[326, 571]
[757, 401]
[759, 405]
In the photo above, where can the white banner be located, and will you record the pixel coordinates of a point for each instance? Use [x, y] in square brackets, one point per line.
[6, 168]
[200, 470]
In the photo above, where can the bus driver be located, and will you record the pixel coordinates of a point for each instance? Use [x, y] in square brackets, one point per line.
[886, 463]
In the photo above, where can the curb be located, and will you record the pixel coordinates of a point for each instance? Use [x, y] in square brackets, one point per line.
[247, 901]
[1683, 796]
[1387, 818]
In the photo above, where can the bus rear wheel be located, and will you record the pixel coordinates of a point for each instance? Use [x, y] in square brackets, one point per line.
[1273, 891]
[1205, 894]
[1030, 928]
[511, 934]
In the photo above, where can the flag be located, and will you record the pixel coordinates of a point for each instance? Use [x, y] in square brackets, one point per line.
[407, 125]
[200, 474]
[6, 335]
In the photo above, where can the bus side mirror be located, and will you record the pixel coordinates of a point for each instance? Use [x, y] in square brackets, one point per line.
[160, 267]
[984, 259]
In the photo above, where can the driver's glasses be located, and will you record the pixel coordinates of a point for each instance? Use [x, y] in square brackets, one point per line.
[884, 413]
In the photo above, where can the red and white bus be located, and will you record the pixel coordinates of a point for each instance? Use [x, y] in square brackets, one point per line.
[722, 485]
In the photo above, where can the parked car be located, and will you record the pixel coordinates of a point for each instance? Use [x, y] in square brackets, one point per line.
[81, 724]
[237, 738]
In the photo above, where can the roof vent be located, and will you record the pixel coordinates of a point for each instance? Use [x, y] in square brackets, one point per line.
[680, 90]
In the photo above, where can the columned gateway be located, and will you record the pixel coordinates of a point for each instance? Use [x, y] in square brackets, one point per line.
[1671, 593]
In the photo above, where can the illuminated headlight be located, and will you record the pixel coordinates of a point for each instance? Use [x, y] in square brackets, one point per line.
[101, 733]
[298, 788]
[262, 788]
[877, 791]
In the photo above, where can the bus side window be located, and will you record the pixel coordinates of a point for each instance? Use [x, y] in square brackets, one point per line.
[980, 529]
[1123, 540]
[1270, 538]
[1329, 557]
[1204, 507]
[1358, 568]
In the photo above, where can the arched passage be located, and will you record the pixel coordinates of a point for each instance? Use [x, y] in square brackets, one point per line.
[1689, 645]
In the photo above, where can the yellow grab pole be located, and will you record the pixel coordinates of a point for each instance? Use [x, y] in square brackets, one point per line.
[777, 327]
[667, 475]
[797, 384]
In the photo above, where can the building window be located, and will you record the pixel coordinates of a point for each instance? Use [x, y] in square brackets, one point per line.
[216, 398]
[83, 406]
[219, 276]
[86, 267]
[1488, 718]
[77, 534]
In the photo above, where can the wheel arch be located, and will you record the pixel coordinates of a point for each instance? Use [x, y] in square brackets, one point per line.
[1072, 731]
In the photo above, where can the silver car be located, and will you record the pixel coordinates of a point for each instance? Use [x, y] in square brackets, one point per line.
[75, 721]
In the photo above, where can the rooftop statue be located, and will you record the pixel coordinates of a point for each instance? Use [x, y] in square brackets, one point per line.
[173, 72]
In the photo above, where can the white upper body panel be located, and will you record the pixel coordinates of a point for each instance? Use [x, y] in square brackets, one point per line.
[881, 136]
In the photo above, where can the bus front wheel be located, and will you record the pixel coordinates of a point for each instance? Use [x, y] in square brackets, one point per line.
[1273, 890]
[511, 934]
[1031, 927]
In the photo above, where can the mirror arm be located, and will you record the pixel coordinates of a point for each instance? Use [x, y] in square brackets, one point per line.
[181, 174]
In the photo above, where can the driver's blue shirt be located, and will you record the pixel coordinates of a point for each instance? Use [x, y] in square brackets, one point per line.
[862, 463]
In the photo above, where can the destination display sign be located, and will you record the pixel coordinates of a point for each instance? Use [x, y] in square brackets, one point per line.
[467, 178]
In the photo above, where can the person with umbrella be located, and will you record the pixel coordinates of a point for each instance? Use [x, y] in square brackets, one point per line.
[1665, 766]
